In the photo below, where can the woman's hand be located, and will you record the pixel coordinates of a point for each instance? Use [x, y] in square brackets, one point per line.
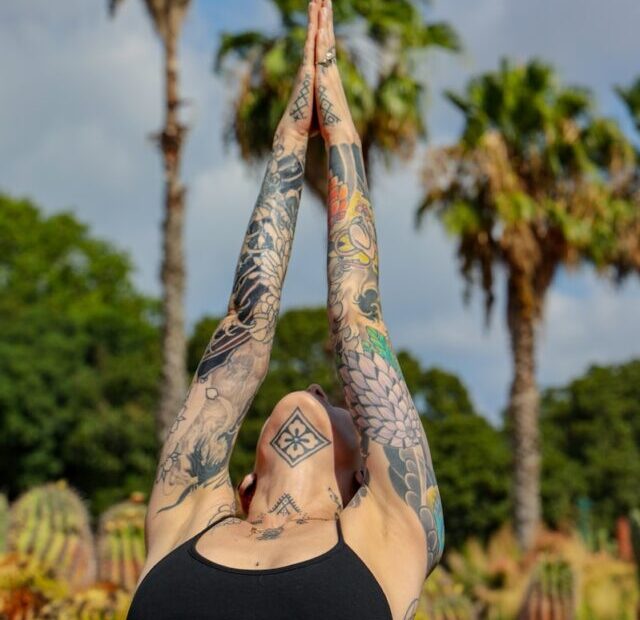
[336, 124]
[297, 120]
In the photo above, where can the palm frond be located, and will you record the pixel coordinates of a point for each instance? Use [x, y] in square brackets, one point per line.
[631, 98]
[441, 35]
[241, 45]
[536, 180]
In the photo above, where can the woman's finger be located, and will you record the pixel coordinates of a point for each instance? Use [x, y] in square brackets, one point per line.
[312, 32]
[332, 34]
[332, 46]
[324, 43]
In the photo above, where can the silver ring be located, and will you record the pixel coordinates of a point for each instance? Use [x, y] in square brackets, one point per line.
[329, 59]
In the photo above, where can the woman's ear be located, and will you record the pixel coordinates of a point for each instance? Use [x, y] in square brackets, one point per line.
[246, 491]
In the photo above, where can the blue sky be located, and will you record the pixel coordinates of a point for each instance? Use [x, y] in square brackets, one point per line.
[80, 94]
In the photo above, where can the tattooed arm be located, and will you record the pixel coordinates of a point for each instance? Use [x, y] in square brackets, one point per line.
[393, 441]
[193, 476]
[400, 478]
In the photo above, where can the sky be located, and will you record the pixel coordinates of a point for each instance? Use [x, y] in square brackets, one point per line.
[80, 97]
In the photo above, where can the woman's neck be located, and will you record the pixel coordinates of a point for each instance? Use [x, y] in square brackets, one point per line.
[279, 504]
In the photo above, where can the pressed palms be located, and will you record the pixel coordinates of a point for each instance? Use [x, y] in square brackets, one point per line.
[167, 18]
[534, 183]
[378, 46]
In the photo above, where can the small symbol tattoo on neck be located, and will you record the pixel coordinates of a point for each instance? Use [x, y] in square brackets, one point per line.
[285, 506]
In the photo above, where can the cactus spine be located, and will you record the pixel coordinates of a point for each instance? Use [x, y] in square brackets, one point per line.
[50, 526]
[121, 548]
[551, 594]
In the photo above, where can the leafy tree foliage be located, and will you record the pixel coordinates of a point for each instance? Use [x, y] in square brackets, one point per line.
[79, 359]
[631, 98]
[591, 445]
[471, 457]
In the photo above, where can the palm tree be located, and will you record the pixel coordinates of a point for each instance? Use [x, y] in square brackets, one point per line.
[533, 184]
[167, 17]
[378, 45]
[631, 97]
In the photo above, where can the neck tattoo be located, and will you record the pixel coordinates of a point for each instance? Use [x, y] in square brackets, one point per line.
[271, 533]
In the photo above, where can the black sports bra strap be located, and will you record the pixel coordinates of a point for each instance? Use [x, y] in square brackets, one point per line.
[199, 535]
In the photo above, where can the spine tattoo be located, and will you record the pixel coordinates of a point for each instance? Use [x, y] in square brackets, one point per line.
[235, 360]
[375, 389]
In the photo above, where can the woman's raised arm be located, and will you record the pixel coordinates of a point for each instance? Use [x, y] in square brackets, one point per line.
[192, 482]
[400, 483]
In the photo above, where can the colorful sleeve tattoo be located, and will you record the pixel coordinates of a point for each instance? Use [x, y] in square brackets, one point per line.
[375, 390]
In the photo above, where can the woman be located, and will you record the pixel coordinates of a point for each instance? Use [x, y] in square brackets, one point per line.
[343, 516]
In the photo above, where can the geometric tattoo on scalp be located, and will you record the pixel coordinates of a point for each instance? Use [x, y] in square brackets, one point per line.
[298, 439]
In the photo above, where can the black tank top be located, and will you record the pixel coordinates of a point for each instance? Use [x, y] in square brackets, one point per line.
[336, 585]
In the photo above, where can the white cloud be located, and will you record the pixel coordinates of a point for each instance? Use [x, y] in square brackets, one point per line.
[603, 328]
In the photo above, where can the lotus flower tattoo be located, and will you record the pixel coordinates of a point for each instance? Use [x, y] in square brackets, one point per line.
[380, 400]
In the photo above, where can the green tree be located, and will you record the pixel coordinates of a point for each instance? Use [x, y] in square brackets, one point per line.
[591, 445]
[631, 97]
[79, 360]
[378, 46]
[471, 457]
[531, 186]
[167, 18]
[628, 185]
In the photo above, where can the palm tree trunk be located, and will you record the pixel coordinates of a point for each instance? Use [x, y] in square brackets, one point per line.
[523, 410]
[174, 380]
